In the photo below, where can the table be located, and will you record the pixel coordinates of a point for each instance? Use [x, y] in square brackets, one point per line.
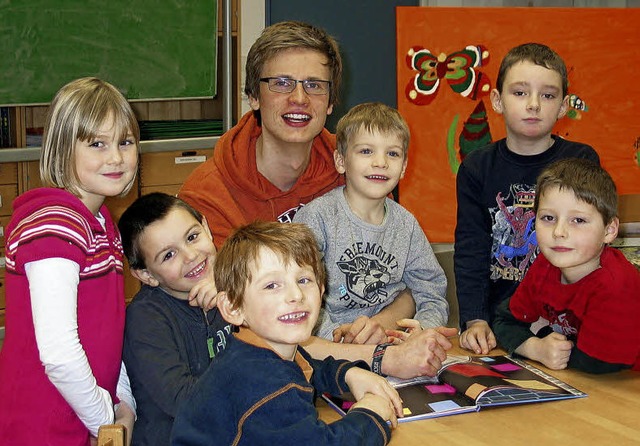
[609, 415]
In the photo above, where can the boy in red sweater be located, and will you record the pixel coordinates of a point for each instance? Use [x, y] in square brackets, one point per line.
[585, 291]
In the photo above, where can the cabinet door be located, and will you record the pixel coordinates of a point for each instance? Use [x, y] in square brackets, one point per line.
[170, 168]
[30, 175]
[8, 173]
[116, 206]
[8, 193]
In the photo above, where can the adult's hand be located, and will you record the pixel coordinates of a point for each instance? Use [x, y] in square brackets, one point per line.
[363, 330]
[420, 354]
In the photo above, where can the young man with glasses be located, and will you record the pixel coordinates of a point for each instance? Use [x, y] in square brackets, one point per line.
[280, 157]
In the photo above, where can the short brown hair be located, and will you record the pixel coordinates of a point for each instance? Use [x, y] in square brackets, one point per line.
[291, 241]
[371, 116]
[287, 35]
[587, 180]
[76, 114]
[538, 54]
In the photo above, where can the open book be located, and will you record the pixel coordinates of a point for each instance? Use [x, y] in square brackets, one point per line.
[466, 384]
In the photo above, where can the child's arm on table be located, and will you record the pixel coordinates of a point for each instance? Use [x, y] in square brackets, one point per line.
[514, 335]
[472, 247]
[553, 350]
[380, 405]
[337, 376]
[426, 279]
[363, 382]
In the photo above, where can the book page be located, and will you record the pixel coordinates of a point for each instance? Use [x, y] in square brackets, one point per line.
[465, 384]
[422, 397]
[501, 380]
[451, 359]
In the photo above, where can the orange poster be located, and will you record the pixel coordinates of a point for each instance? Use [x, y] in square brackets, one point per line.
[453, 115]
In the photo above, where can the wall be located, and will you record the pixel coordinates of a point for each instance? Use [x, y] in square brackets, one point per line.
[365, 30]
[536, 3]
[251, 25]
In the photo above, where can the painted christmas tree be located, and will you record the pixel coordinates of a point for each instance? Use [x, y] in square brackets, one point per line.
[475, 131]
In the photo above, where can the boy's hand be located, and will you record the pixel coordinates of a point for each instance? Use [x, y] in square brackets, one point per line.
[553, 350]
[204, 294]
[379, 405]
[363, 330]
[363, 382]
[478, 337]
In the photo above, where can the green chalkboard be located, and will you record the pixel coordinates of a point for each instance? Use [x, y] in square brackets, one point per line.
[149, 49]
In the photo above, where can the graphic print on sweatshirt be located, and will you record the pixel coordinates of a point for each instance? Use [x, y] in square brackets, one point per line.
[367, 270]
[287, 216]
[563, 321]
[514, 245]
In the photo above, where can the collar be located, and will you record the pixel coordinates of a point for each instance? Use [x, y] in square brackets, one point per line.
[247, 336]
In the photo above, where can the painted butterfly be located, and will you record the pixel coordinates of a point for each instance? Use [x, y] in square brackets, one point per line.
[576, 107]
[458, 69]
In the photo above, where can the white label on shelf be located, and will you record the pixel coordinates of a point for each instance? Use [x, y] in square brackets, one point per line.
[190, 159]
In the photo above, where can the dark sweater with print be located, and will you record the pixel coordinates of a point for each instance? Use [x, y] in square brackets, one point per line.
[495, 235]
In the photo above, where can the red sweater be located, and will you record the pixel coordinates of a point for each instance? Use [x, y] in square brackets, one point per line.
[230, 192]
[600, 311]
[50, 223]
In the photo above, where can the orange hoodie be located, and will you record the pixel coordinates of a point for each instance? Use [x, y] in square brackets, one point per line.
[230, 192]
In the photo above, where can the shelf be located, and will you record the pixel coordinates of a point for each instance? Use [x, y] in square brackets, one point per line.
[161, 145]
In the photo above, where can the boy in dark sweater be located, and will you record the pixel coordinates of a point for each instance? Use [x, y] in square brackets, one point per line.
[261, 388]
[173, 329]
[495, 239]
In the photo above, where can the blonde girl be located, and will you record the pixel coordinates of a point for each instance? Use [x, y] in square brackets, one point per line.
[61, 372]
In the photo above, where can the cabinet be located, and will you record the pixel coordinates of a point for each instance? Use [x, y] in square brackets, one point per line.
[164, 165]
[166, 171]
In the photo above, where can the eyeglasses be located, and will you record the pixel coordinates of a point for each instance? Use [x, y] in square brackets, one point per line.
[286, 85]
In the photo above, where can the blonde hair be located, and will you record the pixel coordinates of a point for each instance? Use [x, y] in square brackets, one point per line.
[291, 241]
[76, 114]
[292, 35]
[371, 116]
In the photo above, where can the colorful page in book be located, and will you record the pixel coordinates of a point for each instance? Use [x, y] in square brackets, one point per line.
[502, 380]
[465, 384]
[419, 401]
[422, 397]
